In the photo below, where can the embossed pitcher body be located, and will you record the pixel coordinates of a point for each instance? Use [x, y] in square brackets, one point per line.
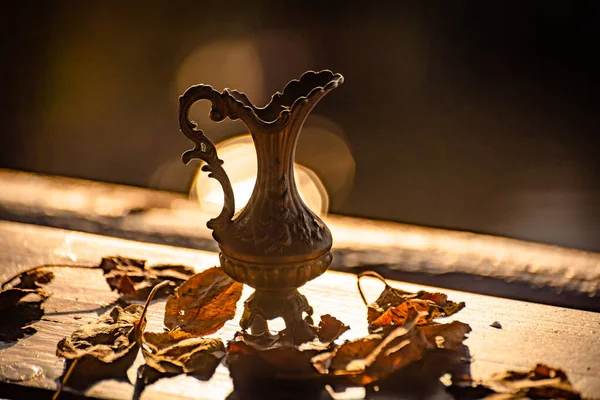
[275, 242]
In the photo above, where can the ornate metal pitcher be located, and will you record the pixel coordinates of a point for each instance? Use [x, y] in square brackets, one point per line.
[276, 243]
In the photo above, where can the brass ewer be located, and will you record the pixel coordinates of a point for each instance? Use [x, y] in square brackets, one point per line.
[275, 244]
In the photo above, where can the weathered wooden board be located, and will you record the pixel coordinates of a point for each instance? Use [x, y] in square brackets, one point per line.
[530, 333]
[461, 260]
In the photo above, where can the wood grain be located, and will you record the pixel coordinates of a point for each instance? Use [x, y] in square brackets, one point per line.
[452, 259]
[530, 333]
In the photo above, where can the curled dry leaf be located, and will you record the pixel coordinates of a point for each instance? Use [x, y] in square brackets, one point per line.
[279, 356]
[176, 352]
[18, 312]
[378, 356]
[248, 361]
[33, 279]
[173, 353]
[446, 336]
[277, 372]
[350, 351]
[542, 382]
[330, 328]
[30, 282]
[397, 315]
[393, 305]
[134, 280]
[373, 357]
[279, 359]
[104, 348]
[203, 303]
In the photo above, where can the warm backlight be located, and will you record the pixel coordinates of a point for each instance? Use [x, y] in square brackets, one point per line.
[240, 164]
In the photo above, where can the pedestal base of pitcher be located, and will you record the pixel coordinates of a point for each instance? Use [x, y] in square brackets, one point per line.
[290, 305]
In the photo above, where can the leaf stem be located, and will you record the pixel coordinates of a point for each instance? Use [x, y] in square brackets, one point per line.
[65, 378]
[372, 274]
[139, 327]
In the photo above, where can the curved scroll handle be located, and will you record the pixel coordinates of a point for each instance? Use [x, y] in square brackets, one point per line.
[204, 149]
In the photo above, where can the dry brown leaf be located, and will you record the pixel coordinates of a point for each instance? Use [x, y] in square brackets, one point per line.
[17, 315]
[105, 338]
[279, 354]
[33, 279]
[542, 371]
[330, 328]
[291, 375]
[374, 357]
[203, 303]
[277, 361]
[378, 356]
[394, 316]
[394, 358]
[104, 348]
[133, 279]
[177, 352]
[446, 336]
[392, 306]
[337, 360]
[19, 312]
[30, 282]
[108, 264]
[542, 382]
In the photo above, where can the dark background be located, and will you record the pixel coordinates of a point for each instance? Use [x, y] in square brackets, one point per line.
[479, 116]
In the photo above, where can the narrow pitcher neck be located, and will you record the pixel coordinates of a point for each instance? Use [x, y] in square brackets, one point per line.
[275, 162]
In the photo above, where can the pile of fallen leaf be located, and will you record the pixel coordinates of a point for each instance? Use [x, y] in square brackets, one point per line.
[22, 296]
[108, 346]
[201, 305]
[402, 333]
[393, 306]
[406, 348]
[134, 280]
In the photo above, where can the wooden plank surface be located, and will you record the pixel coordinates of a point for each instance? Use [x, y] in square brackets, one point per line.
[530, 333]
[461, 260]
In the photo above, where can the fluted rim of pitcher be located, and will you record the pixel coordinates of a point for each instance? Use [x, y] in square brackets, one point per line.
[275, 110]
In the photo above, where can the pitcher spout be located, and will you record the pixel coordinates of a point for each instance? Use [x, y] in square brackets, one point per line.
[297, 99]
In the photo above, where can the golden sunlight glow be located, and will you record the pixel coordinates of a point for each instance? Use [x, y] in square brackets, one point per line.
[240, 164]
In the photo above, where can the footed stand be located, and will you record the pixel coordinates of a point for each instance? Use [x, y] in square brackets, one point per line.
[265, 305]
